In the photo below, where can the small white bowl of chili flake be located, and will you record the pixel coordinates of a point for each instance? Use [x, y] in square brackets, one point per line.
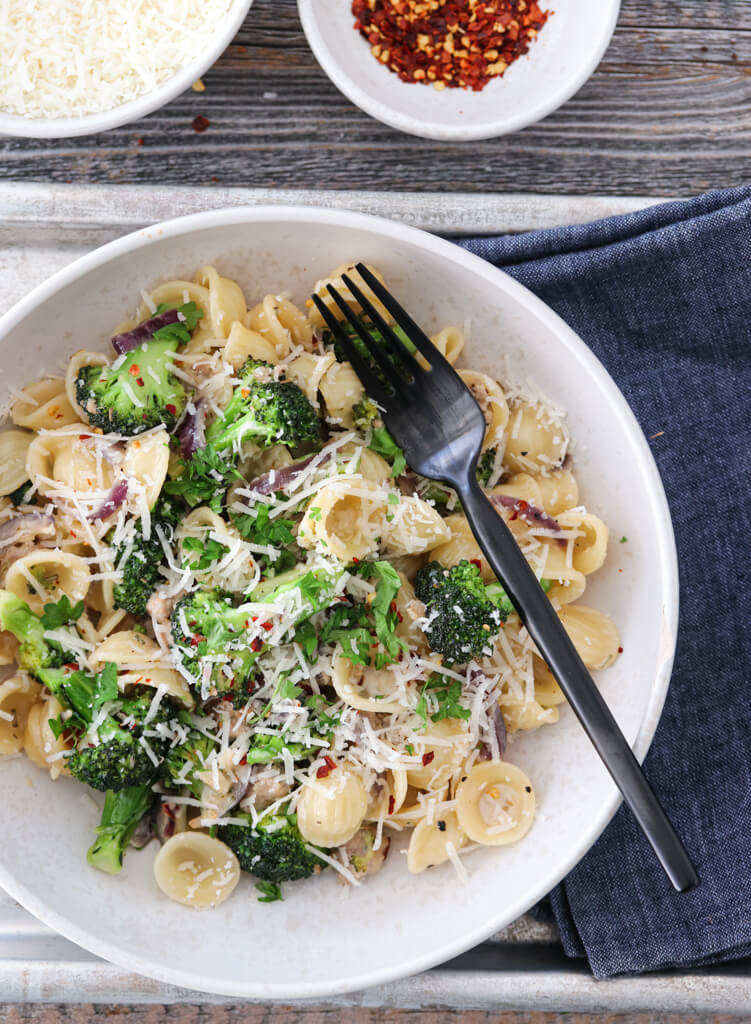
[458, 69]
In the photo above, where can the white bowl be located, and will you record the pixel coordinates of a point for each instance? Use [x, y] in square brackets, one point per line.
[566, 52]
[218, 37]
[324, 939]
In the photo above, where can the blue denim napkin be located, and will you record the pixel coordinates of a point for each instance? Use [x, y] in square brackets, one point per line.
[663, 298]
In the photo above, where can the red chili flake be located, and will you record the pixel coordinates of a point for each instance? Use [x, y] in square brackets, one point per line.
[392, 606]
[356, 561]
[84, 437]
[522, 505]
[620, 650]
[476, 561]
[427, 758]
[139, 382]
[448, 43]
[267, 626]
[244, 759]
[326, 768]
[200, 123]
[73, 533]
[171, 409]
[139, 142]
[135, 370]
[72, 665]
[256, 644]
[392, 804]
[196, 640]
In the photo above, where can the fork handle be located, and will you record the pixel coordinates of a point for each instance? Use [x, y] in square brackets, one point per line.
[555, 646]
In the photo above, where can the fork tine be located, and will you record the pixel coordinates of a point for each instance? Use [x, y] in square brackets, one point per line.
[415, 334]
[379, 357]
[391, 338]
[368, 379]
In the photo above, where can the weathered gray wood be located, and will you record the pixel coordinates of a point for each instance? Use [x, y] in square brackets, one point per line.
[195, 1014]
[667, 113]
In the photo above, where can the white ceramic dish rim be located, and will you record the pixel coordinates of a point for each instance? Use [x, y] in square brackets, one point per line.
[450, 133]
[668, 576]
[133, 110]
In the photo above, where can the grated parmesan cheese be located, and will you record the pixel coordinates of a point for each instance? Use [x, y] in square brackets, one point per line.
[74, 57]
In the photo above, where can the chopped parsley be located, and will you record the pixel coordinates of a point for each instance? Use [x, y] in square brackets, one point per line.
[270, 892]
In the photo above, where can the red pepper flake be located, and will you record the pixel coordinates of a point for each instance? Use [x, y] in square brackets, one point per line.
[171, 409]
[326, 768]
[139, 382]
[427, 758]
[200, 123]
[448, 43]
[139, 141]
[476, 561]
[267, 626]
[620, 650]
[72, 665]
[392, 804]
[392, 606]
[256, 644]
[135, 370]
[356, 561]
[84, 437]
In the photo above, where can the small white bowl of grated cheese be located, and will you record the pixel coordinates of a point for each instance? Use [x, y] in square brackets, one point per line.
[77, 67]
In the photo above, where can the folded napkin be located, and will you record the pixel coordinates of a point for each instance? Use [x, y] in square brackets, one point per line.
[663, 298]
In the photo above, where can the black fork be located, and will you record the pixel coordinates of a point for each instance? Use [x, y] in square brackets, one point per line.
[436, 420]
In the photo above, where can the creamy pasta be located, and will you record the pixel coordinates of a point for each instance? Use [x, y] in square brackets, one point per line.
[230, 607]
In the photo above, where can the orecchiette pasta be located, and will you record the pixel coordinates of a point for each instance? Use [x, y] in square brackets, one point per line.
[443, 747]
[196, 870]
[413, 527]
[594, 635]
[491, 399]
[558, 491]
[346, 518]
[335, 279]
[17, 696]
[430, 842]
[308, 370]
[341, 389]
[368, 689]
[282, 323]
[243, 344]
[449, 341]
[140, 662]
[591, 540]
[39, 741]
[43, 406]
[76, 363]
[226, 301]
[331, 809]
[45, 575]
[536, 440]
[495, 804]
[387, 794]
[14, 444]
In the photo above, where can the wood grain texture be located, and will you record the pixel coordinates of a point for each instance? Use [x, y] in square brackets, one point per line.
[668, 112]
[195, 1014]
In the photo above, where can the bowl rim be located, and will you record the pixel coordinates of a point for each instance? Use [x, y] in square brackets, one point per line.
[442, 132]
[661, 523]
[21, 126]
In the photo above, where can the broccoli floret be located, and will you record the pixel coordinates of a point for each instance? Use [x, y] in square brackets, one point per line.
[265, 411]
[113, 755]
[262, 410]
[366, 416]
[121, 814]
[18, 496]
[34, 652]
[216, 627]
[465, 614]
[140, 569]
[140, 393]
[183, 763]
[272, 850]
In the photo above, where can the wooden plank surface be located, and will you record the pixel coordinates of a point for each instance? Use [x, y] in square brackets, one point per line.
[668, 112]
[195, 1014]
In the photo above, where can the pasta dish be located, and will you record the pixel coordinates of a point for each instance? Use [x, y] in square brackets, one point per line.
[232, 611]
